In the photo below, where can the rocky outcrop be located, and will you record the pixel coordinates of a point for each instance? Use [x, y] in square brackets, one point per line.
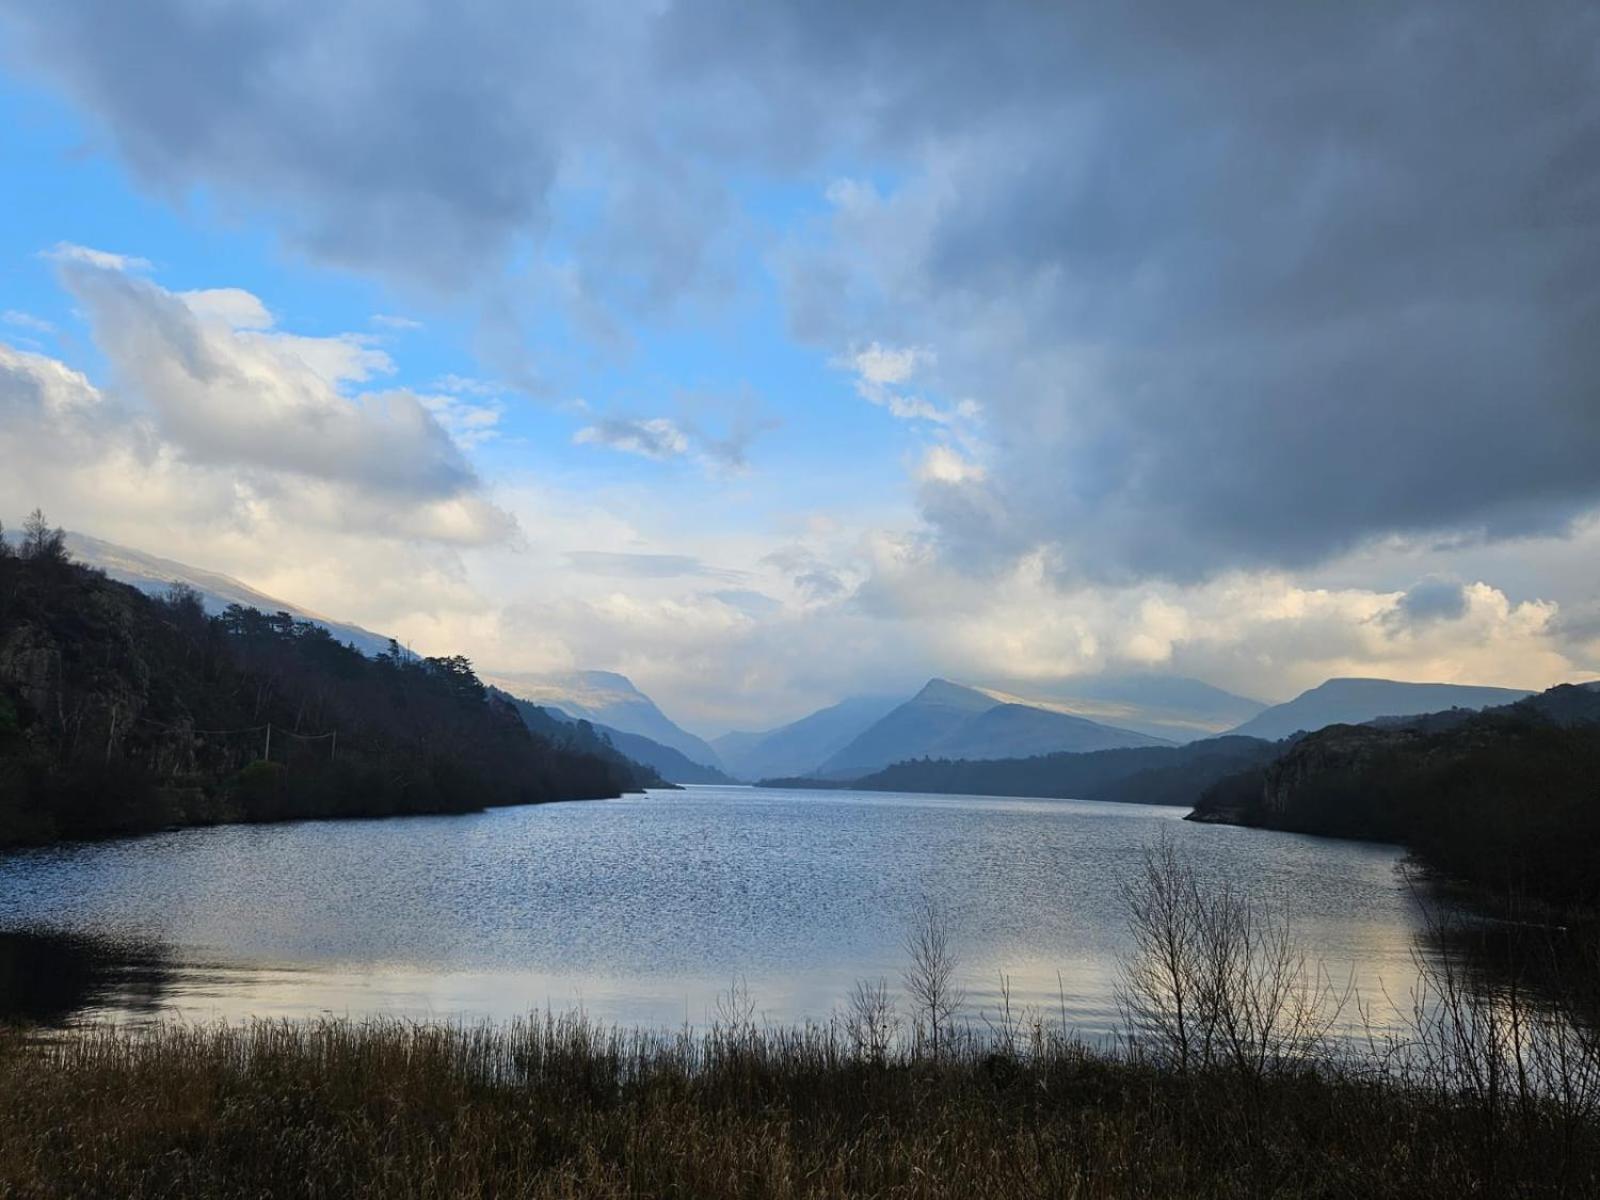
[1339, 751]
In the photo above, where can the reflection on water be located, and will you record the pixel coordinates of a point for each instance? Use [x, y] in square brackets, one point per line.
[643, 910]
[51, 978]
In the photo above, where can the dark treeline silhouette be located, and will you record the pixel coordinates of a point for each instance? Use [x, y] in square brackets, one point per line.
[1174, 775]
[1507, 800]
[121, 713]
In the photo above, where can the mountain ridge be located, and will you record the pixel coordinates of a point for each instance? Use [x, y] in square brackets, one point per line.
[954, 720]
[1355, 700]
[804, 744]
[609, 699]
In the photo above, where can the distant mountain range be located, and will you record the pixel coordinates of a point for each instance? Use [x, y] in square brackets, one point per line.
[864, 734]
[801, 746]
[950, 720]
[610, 700]
[666, 764]
[955, 720]
[1174, 775]
[672, 764]
[1355, 701]
[1171, 707]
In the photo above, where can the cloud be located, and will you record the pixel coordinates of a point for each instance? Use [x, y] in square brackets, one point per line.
[655, 437]
[469, 423]
[231, 396]
[758, 605]
[26, 321]
[254, 424]
[396, 323]
[943, 465]
[233, 307]
[1229, 299]
[879, 365]
[1213, 335]
[644, 566]
[1432, 600]
[881, 375]
[1228, 291]
[68, 252]
[664, 438]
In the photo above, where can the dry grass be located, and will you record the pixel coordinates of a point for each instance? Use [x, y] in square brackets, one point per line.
[562, 1107]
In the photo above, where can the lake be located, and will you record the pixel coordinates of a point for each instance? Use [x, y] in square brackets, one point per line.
[643, 910]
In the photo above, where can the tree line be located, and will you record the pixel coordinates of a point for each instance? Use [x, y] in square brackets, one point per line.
[122, 712]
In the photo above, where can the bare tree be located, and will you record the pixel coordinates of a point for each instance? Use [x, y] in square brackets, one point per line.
[1216, 979]
[930, 978]
[871, 1021]
[1162, 978]
[735, 1023]
[5, 546]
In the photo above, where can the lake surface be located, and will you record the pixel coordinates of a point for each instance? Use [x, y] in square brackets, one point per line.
[643, 910]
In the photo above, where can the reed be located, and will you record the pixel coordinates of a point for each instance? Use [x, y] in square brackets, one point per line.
[563, 1106]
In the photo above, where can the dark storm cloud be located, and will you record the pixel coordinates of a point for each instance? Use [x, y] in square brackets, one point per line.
[1430, 600]
[1253, 290]
[1236, 284]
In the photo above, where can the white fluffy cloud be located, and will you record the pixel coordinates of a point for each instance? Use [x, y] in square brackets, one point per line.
[224, 442]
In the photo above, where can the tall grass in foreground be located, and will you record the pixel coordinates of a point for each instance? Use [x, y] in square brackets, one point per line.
[1227, 1085]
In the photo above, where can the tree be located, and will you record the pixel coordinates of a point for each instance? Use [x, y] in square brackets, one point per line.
[186, 607]
[5, 546]
[41, 543]
[930, 979]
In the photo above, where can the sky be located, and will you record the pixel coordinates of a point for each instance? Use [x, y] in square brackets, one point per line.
[771, 354]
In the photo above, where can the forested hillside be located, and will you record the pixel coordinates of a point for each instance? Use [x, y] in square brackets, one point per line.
[121, 713]
[1174, 775]
[1507, 799]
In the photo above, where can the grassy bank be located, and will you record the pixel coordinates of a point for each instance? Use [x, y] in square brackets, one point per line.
[563, 1108]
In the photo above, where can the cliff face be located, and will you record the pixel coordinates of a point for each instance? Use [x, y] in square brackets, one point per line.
[1337, 752]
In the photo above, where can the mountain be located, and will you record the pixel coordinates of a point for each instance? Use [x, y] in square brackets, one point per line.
[1171, 707]
[949, 720]
[1175, 775]
[672, 765]
[1168, 707]
[661, 760]
[801, 746]
[610, 700]
[585, 738]
[1355, 701]
[153, 576]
